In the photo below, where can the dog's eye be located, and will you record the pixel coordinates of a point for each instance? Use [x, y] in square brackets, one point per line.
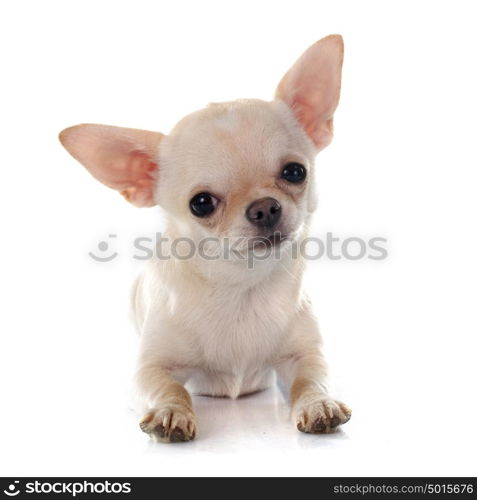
[203, 204]
[294, 172]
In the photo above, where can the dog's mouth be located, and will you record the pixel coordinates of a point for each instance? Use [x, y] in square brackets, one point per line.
[264, 242]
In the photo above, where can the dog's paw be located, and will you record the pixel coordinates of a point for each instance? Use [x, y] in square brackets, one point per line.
[320, 415]
[170, 424]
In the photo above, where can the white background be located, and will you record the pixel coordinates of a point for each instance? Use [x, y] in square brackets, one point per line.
[401, 333]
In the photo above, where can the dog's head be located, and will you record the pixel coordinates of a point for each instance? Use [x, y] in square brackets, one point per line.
[242, 169]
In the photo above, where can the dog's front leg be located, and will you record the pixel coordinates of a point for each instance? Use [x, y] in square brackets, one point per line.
[313, 409]
[169, 415]
[303, 370]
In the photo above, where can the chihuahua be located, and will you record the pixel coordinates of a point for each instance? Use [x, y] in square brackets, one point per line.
[240, 172]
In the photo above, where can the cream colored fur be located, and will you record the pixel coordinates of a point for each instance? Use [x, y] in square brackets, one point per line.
[217, 327]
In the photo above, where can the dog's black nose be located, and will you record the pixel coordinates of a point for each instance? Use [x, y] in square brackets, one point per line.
[264, 212]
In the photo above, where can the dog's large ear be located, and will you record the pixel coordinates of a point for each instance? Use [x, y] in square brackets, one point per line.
[311, 88]
[124, 159]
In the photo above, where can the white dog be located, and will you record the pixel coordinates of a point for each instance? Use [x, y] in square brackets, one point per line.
[240, 172]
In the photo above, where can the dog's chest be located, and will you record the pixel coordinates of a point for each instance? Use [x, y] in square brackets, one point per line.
[237, 331]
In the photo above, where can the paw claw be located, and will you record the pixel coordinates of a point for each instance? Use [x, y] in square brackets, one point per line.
[318, 426]
[177, 435]
[160, 431]
[143, 426]
[335, 421]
